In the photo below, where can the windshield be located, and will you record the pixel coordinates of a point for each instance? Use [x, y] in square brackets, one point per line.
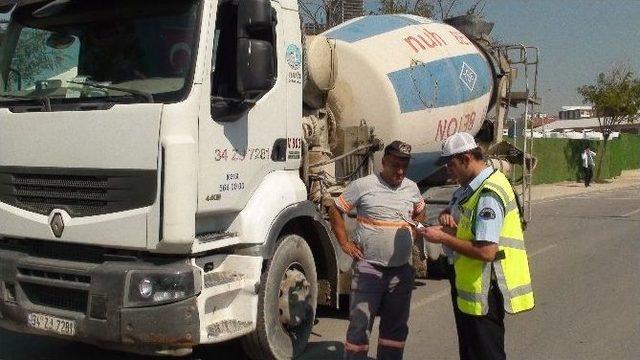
[115, 51]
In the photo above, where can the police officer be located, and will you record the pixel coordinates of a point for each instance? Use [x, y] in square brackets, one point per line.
[382, 278]
[482, 234]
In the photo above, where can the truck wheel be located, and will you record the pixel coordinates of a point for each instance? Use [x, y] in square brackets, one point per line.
[286, 303]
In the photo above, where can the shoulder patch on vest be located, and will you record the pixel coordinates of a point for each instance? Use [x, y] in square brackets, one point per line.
[487, 214]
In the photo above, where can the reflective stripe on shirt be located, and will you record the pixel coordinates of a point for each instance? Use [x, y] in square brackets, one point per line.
[385, 238]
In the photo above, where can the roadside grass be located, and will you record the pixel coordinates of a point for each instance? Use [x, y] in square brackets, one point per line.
[559, 159]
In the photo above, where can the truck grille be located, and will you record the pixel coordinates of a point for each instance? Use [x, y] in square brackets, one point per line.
[59, 298]
[84, 254]
[80, 192]
[54, 275]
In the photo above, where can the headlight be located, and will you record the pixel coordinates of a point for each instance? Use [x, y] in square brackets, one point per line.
[146, 288]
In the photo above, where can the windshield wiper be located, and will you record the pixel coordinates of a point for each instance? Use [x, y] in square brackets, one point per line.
[141, 94]
[45, 100]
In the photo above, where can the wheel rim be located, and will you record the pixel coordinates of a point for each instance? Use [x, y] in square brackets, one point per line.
[294, 298]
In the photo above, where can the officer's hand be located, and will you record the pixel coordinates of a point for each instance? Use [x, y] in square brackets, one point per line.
[352, 249]
[446, 219]
[433, 234]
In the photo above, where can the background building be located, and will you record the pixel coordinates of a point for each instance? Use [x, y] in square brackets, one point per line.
[580, 122]
[576, 112]
[349, 9]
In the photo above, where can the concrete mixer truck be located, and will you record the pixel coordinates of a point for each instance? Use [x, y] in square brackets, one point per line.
[164, 169]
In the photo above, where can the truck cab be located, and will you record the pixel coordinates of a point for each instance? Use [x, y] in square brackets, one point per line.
[150, 190]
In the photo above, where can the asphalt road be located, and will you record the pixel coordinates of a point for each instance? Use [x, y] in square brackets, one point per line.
[585, 258]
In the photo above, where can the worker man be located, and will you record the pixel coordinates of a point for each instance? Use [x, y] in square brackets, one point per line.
[382, 278]
[483, 235]
[588, 163]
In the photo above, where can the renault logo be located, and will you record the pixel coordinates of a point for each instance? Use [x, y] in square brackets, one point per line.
[57, 225]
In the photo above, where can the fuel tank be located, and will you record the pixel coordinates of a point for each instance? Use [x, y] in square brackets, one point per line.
[410, 78]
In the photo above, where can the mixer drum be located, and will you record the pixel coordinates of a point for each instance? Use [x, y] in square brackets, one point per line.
[409, 77]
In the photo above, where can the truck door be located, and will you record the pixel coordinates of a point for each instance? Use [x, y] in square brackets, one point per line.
[241, 136]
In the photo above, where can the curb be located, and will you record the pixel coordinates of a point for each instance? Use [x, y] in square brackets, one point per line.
[629, 178]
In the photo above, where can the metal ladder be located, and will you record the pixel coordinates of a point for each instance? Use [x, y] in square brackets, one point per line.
[523, 59]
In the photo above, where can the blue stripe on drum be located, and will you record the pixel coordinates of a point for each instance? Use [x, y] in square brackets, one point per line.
[370, 26]
[439, 83]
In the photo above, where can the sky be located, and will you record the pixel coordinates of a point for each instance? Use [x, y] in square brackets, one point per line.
[577, 40]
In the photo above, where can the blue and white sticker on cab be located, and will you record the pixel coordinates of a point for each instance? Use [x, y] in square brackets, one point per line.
[293, 57]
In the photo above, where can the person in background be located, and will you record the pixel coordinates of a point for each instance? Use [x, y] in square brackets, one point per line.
[588, 163]
[382, 279]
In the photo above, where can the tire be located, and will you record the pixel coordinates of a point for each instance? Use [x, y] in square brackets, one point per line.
[272, 338]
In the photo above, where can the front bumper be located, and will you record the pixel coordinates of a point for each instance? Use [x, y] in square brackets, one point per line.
[91, 294]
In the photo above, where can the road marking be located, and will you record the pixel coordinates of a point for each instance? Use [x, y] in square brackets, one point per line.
[587, 195]
[544, 249]
[431, 298]
[631, 213]
[555, 199]
[629, 198]
[583, 197]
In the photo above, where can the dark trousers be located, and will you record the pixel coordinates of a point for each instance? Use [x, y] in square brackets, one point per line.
[383, 291]
[480, 337]
[588, 175]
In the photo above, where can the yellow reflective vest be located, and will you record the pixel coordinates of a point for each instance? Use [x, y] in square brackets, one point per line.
[473, 277]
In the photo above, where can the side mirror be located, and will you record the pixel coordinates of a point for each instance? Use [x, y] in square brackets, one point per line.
[7, 5]
[253, 15]
[256, 70]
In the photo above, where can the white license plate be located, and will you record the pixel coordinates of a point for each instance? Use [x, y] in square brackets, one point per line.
[52, 324]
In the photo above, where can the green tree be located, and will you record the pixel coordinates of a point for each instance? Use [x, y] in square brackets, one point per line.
[615, 97]
[319, 15]
[447, 7]
[423, 8]
[440, 9]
